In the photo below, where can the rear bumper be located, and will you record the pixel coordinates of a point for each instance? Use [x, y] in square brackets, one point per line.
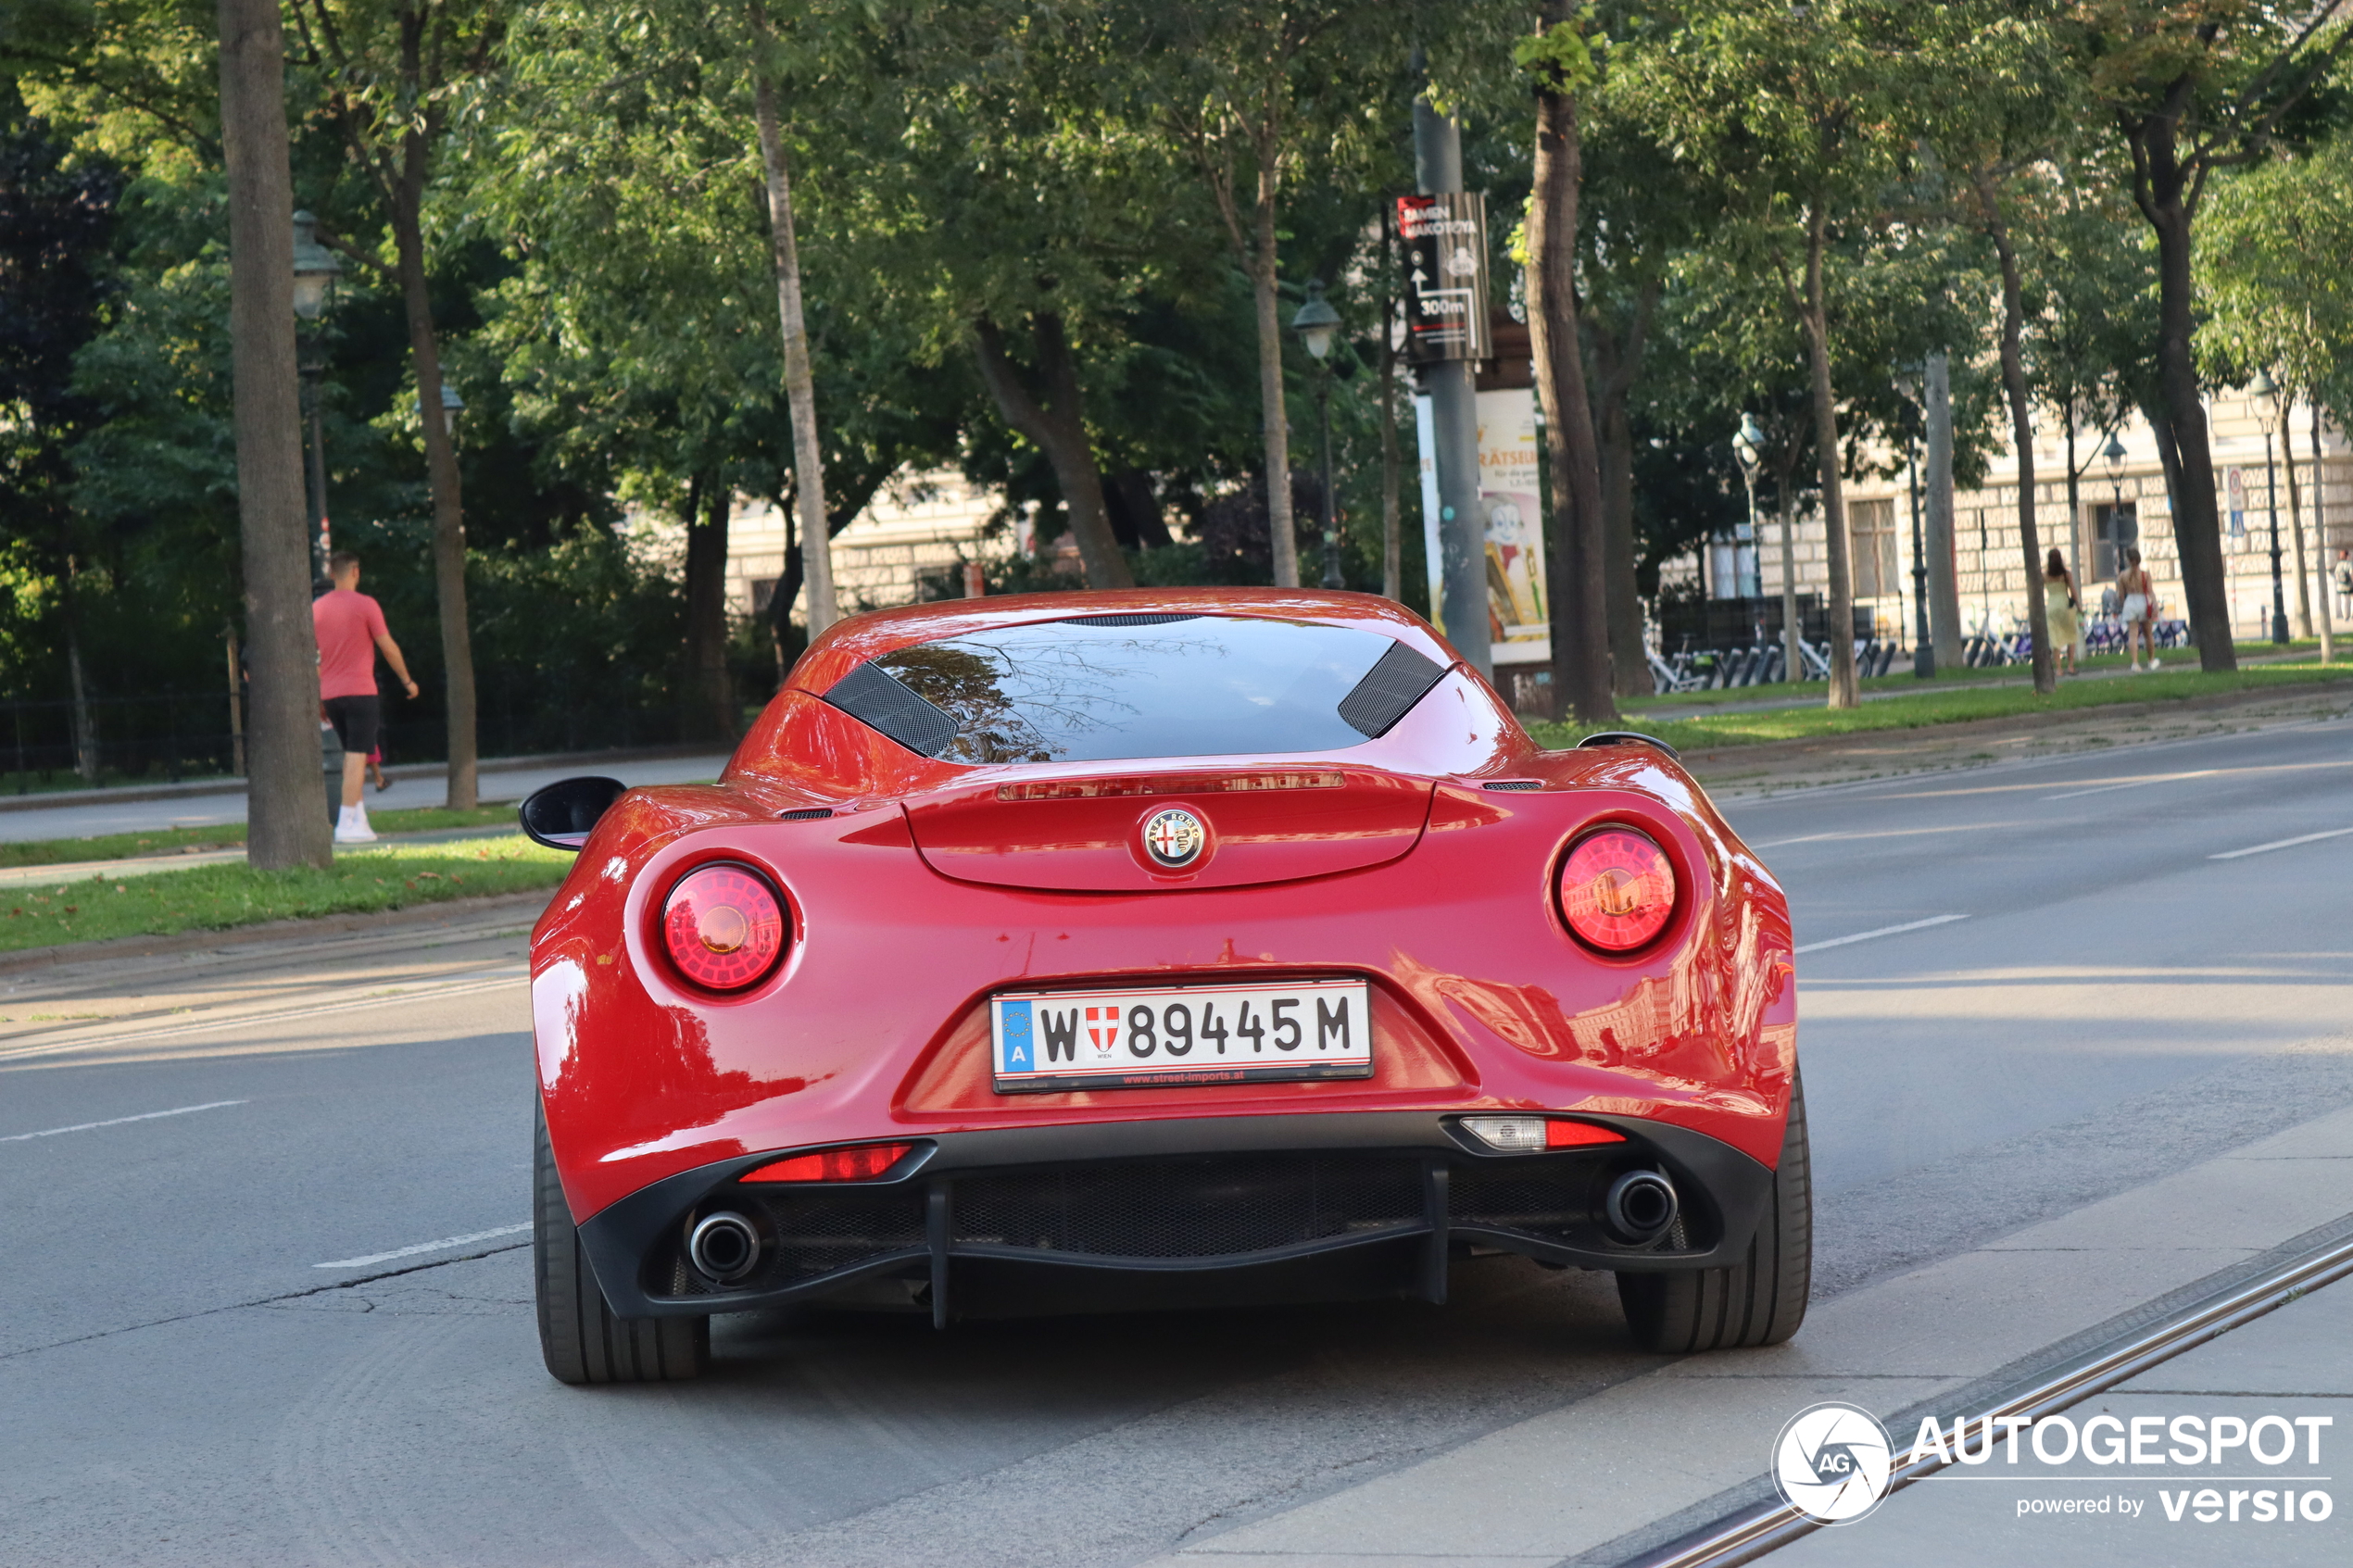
[1215, 1196]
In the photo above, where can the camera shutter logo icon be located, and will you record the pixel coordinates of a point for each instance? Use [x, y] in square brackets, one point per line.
[1832, 1463]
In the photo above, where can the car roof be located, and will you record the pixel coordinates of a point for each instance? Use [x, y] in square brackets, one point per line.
[856, 639]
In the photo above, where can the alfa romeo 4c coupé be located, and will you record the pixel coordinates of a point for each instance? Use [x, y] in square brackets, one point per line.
[1073, 952]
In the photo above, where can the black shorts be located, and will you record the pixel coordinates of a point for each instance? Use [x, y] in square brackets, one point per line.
[356, 720]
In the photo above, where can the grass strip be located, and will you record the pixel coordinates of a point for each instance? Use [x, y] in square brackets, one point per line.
[1901, 679]
[227, 835]
[215, 897]
[1702, 730]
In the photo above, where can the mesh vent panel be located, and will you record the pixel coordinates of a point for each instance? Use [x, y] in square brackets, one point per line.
[1189, 1209]
[875, 697]
[1127, 620]
[1389, 690]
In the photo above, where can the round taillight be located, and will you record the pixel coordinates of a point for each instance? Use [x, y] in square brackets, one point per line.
[1616, 889]
[724, 926]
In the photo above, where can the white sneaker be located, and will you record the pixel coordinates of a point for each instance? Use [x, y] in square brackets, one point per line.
[2153, 662]
[352, 826]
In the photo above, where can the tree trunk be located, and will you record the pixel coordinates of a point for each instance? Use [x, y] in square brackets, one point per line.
[2163, 194]
[1274, 413]
[1057, 425]
[2320, 541]
[1815, 318]
[2296, 524]
[2074, 505]
[85, 733]
[1579, 616]
[710, 714]
[1630, 669]
[801, 383]
[2021, 433]
[1943, 583]
[441, 474]
[285, 824]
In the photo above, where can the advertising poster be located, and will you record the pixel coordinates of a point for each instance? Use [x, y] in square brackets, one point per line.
[1518, 624]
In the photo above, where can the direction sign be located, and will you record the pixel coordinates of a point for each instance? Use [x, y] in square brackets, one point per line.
[1445, 246]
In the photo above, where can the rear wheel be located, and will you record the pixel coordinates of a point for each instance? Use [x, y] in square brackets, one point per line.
[1760, 1300]
[579, 1334]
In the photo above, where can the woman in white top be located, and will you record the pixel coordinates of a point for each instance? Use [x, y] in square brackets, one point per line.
[2140, 609]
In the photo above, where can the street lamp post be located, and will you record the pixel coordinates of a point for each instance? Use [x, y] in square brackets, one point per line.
[1316, 324]
[315, 270]
[1748, 450]
[1923, 646]
[2267, 401]
[451, 407]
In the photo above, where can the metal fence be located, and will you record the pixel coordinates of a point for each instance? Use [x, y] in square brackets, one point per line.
[130, 739]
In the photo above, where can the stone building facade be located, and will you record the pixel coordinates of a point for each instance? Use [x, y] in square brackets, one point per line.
[919, 525]
[2126, 506]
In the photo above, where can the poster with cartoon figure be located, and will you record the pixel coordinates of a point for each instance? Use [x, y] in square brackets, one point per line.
[1518, 624]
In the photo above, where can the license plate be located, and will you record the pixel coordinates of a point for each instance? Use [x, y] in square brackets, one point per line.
[1132, 1038]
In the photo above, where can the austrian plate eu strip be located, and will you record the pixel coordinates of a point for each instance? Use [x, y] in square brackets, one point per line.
[1128, 1037]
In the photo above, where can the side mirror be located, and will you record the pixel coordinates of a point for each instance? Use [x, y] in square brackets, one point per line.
[562, 815]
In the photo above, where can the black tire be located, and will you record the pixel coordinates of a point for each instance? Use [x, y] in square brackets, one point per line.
[579, 1334]
[1758, 1301]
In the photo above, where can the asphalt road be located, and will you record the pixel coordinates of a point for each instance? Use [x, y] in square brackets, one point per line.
[189, 1374]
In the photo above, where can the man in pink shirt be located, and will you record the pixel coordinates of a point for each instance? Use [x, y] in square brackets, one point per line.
[351, 628]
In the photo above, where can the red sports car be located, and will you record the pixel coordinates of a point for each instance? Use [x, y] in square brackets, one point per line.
[1075, 951]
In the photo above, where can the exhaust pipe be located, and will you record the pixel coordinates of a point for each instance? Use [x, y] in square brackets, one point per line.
[1640, 1207]
[723, 1247]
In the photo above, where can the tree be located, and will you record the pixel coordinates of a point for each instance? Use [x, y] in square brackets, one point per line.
[285, 823]
[1246, 87]
[1559, 60]
[809, 463]
[389, 79]
[2273, 275]
[2002, 111]
[1795, 116]
[2192, 90]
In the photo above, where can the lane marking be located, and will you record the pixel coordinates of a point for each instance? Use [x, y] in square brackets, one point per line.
[119, 1121]
[446, 1243]
[421, 993]
[1882, 931]
[2281, 844]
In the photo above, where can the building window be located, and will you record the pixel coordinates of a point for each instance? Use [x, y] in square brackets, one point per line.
[763, 593]
[2115, 529]
[1870, 527]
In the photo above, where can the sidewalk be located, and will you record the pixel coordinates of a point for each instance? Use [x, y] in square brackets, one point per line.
[1610, 1477]
[86, 813]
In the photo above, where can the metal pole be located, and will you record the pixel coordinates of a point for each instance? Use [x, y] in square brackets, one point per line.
[2272, 503]
[1332, 578]
[1453, 408]
[1923, 645]
[316, 470]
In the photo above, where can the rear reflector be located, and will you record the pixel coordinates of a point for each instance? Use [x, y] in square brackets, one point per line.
[1527, 1134]
[861, 1164]
[1098, 789]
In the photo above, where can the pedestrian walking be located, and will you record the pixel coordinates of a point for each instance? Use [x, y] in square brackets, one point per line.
[2061, 610]
[2140, 609]
[351, 629]
[2344, 583]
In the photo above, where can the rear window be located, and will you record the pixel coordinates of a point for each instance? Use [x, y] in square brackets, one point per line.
[1104, 687]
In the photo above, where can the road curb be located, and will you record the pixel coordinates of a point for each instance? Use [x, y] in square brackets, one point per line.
[524, 905]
